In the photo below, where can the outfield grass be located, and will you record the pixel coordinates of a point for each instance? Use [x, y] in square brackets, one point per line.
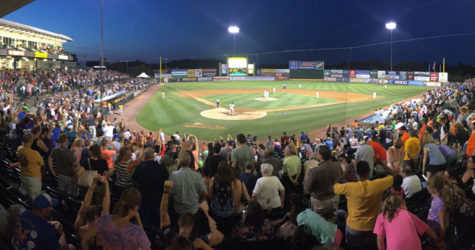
[175, 112]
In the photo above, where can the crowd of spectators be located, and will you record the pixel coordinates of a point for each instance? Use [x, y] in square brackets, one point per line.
[405, 183]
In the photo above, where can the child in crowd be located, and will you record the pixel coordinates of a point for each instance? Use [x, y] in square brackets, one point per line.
[400, 227]
[396, 189]
[438, 216]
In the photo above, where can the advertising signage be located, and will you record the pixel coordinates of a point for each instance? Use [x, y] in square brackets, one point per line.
[306, 65]
[179, 73]
[41, 55]
[16, 53]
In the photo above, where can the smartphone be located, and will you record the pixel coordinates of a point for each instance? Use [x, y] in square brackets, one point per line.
[244, 211]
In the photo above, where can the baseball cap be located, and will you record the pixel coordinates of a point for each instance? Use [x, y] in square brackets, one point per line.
[116, 136]
[231, 143]
[44, 200]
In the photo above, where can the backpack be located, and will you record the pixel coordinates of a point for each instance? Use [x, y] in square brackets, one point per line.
[461, 204]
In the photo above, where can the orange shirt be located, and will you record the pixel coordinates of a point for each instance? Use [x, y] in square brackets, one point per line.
[404, 137]
[107, 155]
[379, 152]
[422, 132]
[470, 144]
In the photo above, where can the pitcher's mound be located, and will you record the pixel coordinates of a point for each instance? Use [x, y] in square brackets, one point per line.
[224, 114]
[262, 99]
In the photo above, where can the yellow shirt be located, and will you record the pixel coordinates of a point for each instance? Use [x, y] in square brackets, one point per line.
[34, 162]
[413, 146]
[364, 201]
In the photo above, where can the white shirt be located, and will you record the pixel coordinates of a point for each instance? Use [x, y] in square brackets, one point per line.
[267, 190]
[108, 131]
[162, 136]
[411, 185]
[127, 135]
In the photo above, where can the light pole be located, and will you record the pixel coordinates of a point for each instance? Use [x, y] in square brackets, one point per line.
[390, 26]
[234, 30]
[102, 55]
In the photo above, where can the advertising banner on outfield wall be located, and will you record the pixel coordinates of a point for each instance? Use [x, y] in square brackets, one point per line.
[329, 79]
[237, 78]
[198, 72]
[179, 73]
[346, 73]
[260, 78]
[267, 70]
[356, 80]
[410, 76]
[306, 65]
[336, 71]
[421, 73]
[283, 71]
[364, 76]
[352, 73]
[336, 75]
[403, 75]
[363, 72]
[157, 75]
[205, 79]
[434, 76]
[381, 74]
[210, 72]
[400, 82]
[327, 73]
[443, 77]
[383, 81]
[221, 78]
[433, 84]
[191, 73]
[390, 81]
[189, 79]
[415, 83]
[374, 74]
[422, 78]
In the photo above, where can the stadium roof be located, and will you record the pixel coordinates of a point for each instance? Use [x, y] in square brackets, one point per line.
[22, 28]
[8, 6]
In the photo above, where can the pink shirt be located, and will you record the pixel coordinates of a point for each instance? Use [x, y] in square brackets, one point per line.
[129, 237]
[402, 232]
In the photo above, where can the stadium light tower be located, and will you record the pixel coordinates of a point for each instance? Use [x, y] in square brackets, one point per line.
[234, 30]
[390, 26]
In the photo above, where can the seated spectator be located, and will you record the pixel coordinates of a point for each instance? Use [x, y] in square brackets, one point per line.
[364, 200]
[116, 231]
[254, 226]
[468, 178]
[33, 229]
[400, 227]
[248, 178]
[180, 242]
[267, 190]
[411, 183]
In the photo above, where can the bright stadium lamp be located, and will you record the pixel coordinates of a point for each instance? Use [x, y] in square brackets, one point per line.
[390, 26]
[234, 30]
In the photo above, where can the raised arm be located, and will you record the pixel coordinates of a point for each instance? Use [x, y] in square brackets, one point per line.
[215, 236]
[86, 203]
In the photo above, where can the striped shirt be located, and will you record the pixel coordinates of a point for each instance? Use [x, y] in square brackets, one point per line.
[123, 178]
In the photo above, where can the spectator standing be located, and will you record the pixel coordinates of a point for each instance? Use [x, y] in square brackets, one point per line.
[150, 177]
[267, 190]
[116, 231]
[248, 178]
[364, 200]
[271, 159]
[63, 159]
[241, 155]
[410, 183]
[30, 168]
[365, 153]
[319, 184]
[291, 169]
[412, 150]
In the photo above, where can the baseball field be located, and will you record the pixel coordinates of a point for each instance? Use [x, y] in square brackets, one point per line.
[302, 106]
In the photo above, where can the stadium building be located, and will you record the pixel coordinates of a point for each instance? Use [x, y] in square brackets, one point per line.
[26, 47]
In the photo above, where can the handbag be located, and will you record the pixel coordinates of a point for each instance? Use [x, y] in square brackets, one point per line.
[87, 176]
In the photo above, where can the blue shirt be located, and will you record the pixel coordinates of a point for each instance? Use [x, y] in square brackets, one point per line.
[249, 180]
[150, 177]
[34, 232]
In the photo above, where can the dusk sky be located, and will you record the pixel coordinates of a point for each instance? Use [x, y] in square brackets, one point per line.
[178, 29]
